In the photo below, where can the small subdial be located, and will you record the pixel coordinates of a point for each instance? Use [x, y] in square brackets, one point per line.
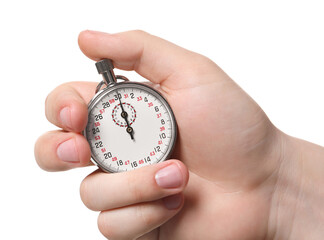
[117, 117]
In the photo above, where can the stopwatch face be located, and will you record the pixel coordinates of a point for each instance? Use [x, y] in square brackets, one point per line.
[130, 125]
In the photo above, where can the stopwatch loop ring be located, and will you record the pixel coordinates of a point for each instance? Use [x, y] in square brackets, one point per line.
[121, 77]
[99, 86]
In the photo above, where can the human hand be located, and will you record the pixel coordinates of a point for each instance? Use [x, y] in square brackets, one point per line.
[231, 149]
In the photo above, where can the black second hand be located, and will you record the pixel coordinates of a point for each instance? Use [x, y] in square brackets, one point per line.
[124, 115]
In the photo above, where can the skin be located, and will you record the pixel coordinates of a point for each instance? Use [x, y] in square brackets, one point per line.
[241, 177]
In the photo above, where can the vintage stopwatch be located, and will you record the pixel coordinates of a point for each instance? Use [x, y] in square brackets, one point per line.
[130, 124]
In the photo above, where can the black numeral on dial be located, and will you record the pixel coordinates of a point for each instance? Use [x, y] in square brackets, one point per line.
[105, 104]
[117, 97]
[162, 136]
[95, 130]
[98, 144]
[98, 117]
[120, 163]
[157, 149]
[107, 155]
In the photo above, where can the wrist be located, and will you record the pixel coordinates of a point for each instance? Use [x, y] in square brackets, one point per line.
[297, 205]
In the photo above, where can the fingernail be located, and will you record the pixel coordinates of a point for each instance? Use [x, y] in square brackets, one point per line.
[172, 202]
[65, 117]
[169, 177]
[67, 152]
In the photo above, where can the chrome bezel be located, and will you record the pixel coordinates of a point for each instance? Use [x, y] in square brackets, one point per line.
[100, 94]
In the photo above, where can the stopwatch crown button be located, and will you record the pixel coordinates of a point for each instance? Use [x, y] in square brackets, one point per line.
[104, 65]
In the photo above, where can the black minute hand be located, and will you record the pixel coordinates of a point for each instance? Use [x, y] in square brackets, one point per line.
[124, 115]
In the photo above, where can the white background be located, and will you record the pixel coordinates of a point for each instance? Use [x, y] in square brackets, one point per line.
[272, 49]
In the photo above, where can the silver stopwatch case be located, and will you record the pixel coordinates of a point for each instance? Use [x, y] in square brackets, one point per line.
[130, 125]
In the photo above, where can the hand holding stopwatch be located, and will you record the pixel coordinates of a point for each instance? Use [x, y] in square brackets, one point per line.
[128, 105]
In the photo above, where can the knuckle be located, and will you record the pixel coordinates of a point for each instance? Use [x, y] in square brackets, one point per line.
[52, 102]
[203, 64]
[46, 104]
[143, 216]
[48, 111]
[66, 85]
[139, 32]
[85, 193]
[59, 91]
[135, 191]
[105, 227]
[40, 153]
[37, 150]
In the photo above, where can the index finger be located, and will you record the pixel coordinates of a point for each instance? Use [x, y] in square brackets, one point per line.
[155, 59]
[67, 105]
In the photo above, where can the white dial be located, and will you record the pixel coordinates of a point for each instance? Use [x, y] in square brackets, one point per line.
[130, 125]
